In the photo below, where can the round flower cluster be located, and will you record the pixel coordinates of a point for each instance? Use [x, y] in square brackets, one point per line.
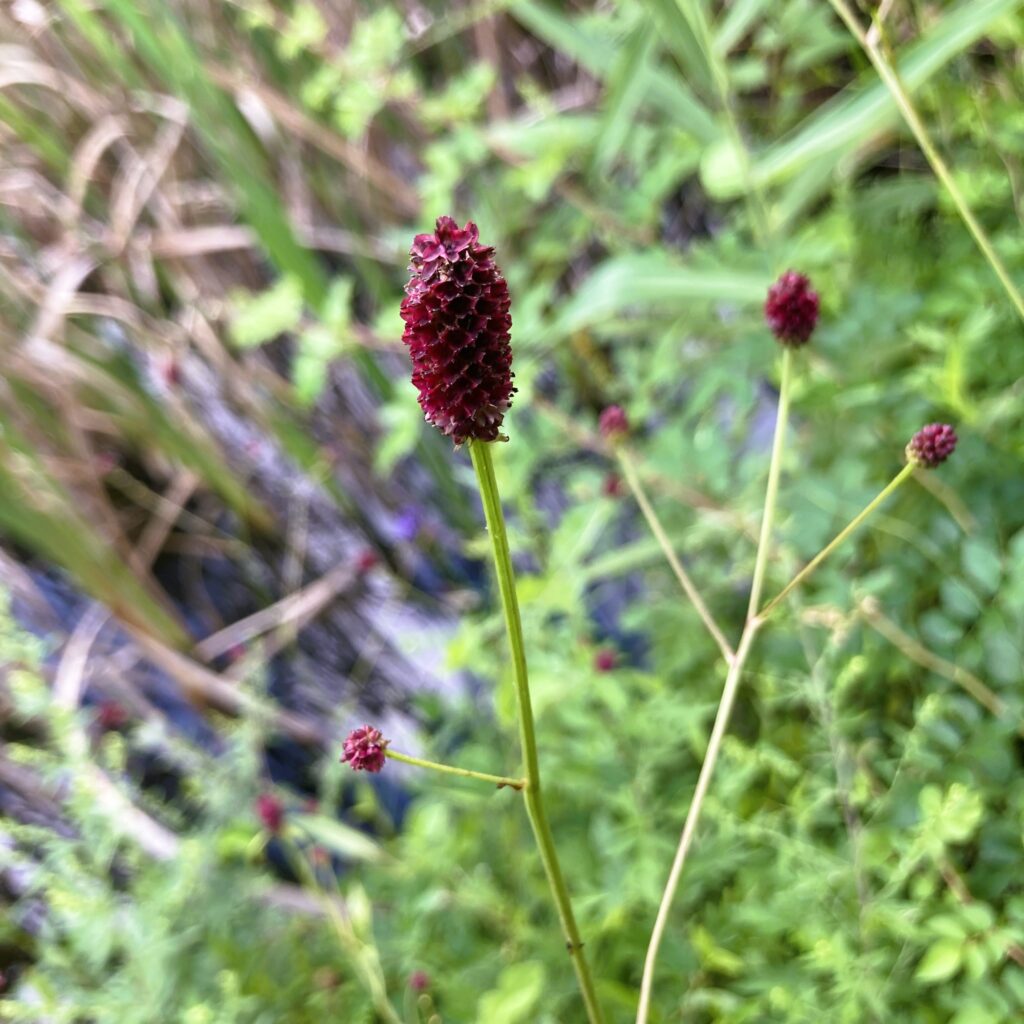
[931, 445]
[791, 309]
[365, 748]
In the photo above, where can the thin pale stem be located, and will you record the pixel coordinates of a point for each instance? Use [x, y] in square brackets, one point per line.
[535, 809]
[772, 491]
[467, 773]
[916, 651]
[633, 481]
[892, 82]
[893, 485]
[731, 688]
[732, 683]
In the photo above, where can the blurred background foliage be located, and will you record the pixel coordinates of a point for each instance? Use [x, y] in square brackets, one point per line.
[205, 208]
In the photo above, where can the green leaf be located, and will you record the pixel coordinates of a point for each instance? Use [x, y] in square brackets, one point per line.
[859, 114]
[515, 997]
[941, 962]
[627, 88]
[596, 55]
[338, 838]
[655, 279]
[261, 317]
[982, 565]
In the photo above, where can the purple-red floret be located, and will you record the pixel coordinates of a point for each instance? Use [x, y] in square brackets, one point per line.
[458, 330]
[611, 486]
[932, 445]
[364, 749]
[613, 422]
[792, 308]
[604, 660]
[111, 716]
[270, 811]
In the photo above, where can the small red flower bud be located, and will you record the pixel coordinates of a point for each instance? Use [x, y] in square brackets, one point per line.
[611, 486]
[457, 328]
[604, 660]
[931, 445]
[364, 749]
[419, 981]
[791, 309]
[613, 422]
[366, 561]
[111, 716]
[270, 811]
[236, 652]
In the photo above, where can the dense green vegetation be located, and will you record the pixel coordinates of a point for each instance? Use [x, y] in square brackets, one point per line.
[233, 186]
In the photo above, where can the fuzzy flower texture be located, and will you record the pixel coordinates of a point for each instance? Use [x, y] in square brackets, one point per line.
[931, 445]
[364, 749]
[457, 327]
[791, 309]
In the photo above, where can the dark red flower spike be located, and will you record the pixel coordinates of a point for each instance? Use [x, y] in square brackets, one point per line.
[457, 328]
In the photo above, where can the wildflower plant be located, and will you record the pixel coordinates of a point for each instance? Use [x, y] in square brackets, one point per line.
[458, 331]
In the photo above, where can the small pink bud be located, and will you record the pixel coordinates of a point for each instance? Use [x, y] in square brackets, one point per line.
[604, 660]
[791, 309]
[932, 445]
[364, 749]
[611, 486]
[270, 811]
[613, 422]
[366, 561]
[419, 981]
[111, 716]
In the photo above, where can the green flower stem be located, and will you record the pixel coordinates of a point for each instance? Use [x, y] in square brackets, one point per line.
[893, 485]
[772, 491]
[732, 683]
[481, 455]
[729, 691]
[633, 480]
[892, 82]
[466, 773]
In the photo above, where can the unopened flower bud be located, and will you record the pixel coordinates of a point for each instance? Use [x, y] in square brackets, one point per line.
[270, 811]
[791, 309]
[613, 423]
[931, 445]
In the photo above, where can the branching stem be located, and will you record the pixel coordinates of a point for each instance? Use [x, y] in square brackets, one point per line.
[731, 688]
[467, 773]
[633, 480]
[894, 485]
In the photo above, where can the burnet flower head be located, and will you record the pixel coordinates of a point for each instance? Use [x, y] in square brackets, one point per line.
[791, 309]
[931, 445]
[365, 749]
[457, 328]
